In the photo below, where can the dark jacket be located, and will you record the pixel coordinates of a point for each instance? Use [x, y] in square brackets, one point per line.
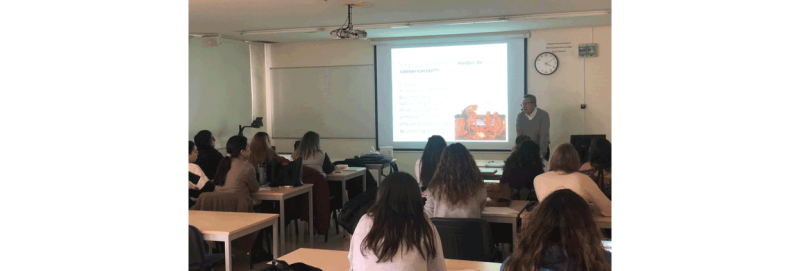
[518, 178]
[208, 159]
[353, 210]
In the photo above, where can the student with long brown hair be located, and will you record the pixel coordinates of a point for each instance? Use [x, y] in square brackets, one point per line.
[456, 189]
[261, 152]
[395, 234]
[564, 173]
[560, 234]
[312, 154]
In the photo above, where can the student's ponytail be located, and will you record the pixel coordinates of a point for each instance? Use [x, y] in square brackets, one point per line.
[222, 171]
[236, 144]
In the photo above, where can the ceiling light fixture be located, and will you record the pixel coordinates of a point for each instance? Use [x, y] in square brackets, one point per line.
[528, 17]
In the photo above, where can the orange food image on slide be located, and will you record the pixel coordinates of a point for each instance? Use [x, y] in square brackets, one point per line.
[471, 126]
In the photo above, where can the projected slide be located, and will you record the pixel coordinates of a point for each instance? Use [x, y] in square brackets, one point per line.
[458, 92]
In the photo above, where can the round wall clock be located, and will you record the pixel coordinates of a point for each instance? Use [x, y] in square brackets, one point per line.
[546, 63]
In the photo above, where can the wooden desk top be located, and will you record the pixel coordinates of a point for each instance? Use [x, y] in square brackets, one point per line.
[334, 260]
[517, 205]
[226, 223]
[276, 193]
[348, 173]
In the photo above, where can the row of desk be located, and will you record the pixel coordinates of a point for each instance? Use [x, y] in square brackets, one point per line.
[228, 226]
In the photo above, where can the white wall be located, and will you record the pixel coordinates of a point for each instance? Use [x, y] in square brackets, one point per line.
[560, 94]
[223, 85]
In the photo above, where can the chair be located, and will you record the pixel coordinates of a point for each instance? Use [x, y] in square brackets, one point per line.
[466, 239]
[199, 259]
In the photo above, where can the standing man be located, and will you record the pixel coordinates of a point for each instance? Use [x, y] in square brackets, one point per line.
[535, 123]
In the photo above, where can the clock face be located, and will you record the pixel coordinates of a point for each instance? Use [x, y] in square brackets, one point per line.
[546, 63]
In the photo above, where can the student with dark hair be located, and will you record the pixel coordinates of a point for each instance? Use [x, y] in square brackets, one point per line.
[521, 168]
[261, 151]
[559, 234]
[599, 165]
[235, 174]
[198, 182]
[208, 157]
[519, 140]
[312, 154]
[456, 188]
[395, 233]
[564, 173]
[426, 165]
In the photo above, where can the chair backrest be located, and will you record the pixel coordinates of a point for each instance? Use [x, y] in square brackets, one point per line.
[197, 249]
[465, 238]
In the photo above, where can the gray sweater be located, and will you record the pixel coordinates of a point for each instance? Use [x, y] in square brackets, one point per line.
[538, 128]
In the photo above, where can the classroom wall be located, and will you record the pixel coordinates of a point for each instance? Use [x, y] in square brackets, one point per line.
[577, 81]
[227, 87]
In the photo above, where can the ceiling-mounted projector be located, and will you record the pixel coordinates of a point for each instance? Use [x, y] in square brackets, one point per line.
[347, 32]
[344, 33]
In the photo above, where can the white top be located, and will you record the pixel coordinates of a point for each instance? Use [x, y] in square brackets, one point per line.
[405, 260]
[533, 114]
[546, 183]
[314, 162]
[195, 169]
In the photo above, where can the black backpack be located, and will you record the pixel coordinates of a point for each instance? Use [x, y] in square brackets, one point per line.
[276, 174]
[353, 210]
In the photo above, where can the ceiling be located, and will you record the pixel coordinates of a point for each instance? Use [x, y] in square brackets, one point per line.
[231, 17]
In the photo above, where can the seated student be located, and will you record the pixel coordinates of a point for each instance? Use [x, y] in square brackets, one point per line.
[599, 165]
[564, 173]
[312, 154]
[234, 173]
[559, 234]
[521, 168]
[426, 165]
[456, 188]
[520, 139]
[261, 152]
[208, 158]
[395, 233]
[198, 182]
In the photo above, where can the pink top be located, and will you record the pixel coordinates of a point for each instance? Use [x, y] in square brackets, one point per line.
[546, 183]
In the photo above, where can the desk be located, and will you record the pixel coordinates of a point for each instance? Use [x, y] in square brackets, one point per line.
[490, 163]
[334, 260]
[503, 215]
[604, 221]
[492, 174]
[380, 167]
[228, 226]
[281, 194]
[349, 173]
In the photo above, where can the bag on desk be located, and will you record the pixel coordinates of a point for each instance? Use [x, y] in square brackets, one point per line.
[289, 175]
